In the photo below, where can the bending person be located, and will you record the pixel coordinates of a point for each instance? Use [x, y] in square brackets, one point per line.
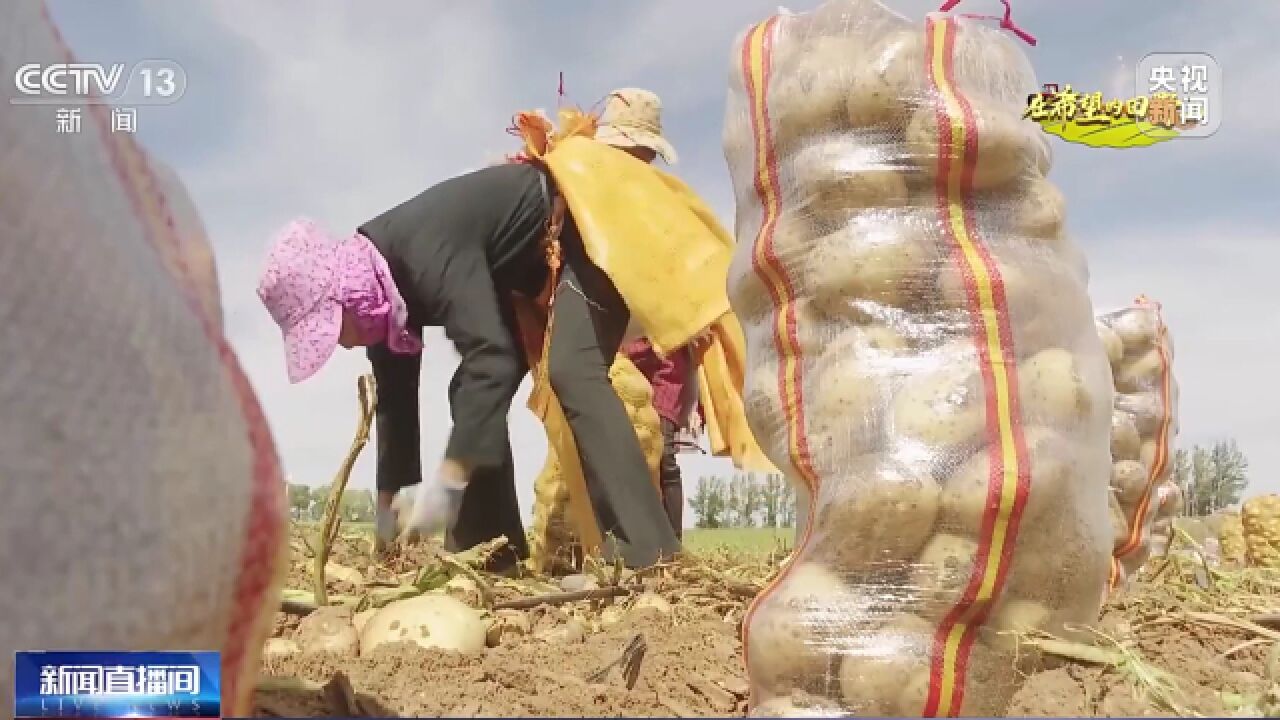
[451, 257]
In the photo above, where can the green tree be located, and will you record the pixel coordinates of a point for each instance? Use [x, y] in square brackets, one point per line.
[772, 495]
[299, 500]
[357, 505]
[1212, 478]
[319, 496]
[787, 513]
[708, 502]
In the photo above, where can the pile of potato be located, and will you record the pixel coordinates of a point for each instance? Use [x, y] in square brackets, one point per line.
[870, 374]
[553, 541]
[1144, 424]
[1260, 517]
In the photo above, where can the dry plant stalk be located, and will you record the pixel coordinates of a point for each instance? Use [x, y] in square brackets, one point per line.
[368, 396]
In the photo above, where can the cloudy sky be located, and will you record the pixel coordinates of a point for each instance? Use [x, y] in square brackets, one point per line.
[339, 110]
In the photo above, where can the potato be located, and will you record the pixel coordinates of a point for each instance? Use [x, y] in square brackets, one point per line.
[850, 400]
[889, 264]
[1008, 148]
[329, 630]
[835, 176]
[507, 625]
[871, 671]
[1044, 302]
[1171, 500]
[1129, 481]
[807, 95]
[1011, 617]
[879, 510]
[1112, 343]
[794, 634]
[1054, 390]
[1040, 212]
[894, 77]
[1141, 373]
[1063, 560]
[941, 408]
[1147, 456]
[796, 705]
[942, 571]
[1125, 440]
[430, 621]
[278, 648]
[1147, 409]
[1119, 522]
[990, 682]
[965, 493]
[1137, 328]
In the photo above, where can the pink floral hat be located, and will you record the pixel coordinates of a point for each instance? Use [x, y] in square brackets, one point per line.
[311, 279]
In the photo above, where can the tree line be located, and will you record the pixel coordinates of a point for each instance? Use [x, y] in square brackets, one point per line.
[744, 500]
[307, 503]
[1211, 477]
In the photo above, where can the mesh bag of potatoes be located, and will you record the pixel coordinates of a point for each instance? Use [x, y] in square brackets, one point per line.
[144, 507]
[921, 358]
[554, 545]
[1144, 424]
[1260, 521]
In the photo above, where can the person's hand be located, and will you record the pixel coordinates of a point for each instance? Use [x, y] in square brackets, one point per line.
[436, 503]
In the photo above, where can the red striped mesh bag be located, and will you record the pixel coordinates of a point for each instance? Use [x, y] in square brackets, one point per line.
[922, 357]
[1144, 423]
[144, 508]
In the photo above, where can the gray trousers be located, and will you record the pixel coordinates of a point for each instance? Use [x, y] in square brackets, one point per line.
[590, 321]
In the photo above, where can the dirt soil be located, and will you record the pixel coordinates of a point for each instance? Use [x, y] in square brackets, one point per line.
[1171, 647]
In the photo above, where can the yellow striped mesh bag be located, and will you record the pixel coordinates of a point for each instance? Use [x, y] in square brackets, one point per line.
[921, 357]
[1144, 423]
[143, 508]
[554, 544]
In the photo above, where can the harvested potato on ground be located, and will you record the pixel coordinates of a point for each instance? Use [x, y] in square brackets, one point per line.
[889, 264]
[878, 510]
[430, 621]
[1126, 443]
[793, 635]
[807, 99]
[329, 630]
[941, 573]
[277, 648]
[651, 603]
[1054, 389]
[941, 408]
[572, 630]
[1129, 481]
[1009, 148]
[872, 668]
[965, 494]
[506, 626]
[838, 175]
[1112, 343]
[612, 615]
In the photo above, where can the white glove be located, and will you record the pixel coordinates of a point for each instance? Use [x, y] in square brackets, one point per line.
[435, 505]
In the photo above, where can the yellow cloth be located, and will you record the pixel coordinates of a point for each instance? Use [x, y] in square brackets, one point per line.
[669, 258]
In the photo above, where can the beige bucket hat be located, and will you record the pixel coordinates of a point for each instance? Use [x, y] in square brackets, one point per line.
[632, 117]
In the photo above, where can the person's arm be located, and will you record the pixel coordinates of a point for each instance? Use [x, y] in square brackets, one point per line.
[399, 439]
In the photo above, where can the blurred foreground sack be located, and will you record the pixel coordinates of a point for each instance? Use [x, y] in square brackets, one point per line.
[144, 507]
